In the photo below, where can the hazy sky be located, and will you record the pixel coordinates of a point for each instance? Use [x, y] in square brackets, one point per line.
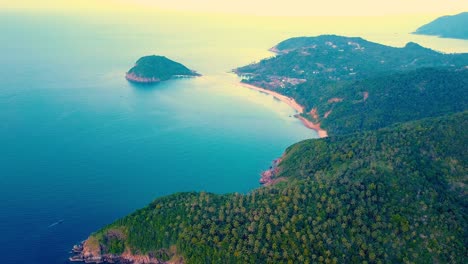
[257, 7]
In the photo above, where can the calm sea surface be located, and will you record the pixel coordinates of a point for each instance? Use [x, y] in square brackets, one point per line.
[80, 145]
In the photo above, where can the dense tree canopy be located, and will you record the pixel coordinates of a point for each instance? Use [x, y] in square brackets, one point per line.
[159, 67]
[393, 195]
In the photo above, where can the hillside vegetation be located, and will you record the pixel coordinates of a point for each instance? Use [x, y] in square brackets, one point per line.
[395, 195]
[157, 68]
[377, 102]
[350, 84]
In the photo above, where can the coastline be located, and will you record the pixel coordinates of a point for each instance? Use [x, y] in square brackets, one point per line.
[293, 104]
[274, 50]
[88, 252]
[289, 101]
[131, 77]
[315, 126]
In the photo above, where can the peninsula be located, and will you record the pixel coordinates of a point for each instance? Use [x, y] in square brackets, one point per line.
[348, 84]
[154, 69]
[455, 26]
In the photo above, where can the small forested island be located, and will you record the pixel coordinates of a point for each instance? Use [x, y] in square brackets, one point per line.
[387, 186]
[455, 26]
[154, 69]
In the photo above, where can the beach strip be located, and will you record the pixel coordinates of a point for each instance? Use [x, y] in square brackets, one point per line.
[292, 103]
[321, 133]
[289, 101]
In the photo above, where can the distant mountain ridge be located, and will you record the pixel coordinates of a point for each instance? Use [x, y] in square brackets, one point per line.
[455, 26]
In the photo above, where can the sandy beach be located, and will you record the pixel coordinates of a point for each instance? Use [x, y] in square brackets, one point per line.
[321, 133]
[289, 101]
[292, 103]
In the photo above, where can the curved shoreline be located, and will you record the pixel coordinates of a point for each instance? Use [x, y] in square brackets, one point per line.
[293, 104]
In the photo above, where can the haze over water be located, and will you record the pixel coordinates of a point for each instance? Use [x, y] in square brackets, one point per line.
[82, 145]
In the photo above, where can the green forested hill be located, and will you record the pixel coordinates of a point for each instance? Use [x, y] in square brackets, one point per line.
[157, 68]
[351, 84]
[384, 100]
[395, 195]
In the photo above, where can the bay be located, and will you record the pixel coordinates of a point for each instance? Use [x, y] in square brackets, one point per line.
[81, 147]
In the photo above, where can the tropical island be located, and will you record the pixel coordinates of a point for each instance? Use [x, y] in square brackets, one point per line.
[154, 69]
[455, 26]
[387, 186]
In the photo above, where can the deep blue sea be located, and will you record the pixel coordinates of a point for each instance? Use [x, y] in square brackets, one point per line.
[80, 145]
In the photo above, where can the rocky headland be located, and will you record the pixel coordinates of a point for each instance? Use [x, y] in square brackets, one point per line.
[89, 251]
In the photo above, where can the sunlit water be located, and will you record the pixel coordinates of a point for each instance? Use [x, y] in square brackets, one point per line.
[80, 144]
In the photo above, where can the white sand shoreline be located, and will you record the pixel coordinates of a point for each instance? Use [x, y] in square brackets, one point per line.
[293, 104]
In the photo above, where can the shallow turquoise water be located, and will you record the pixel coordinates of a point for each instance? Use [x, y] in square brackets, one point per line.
[80, 144]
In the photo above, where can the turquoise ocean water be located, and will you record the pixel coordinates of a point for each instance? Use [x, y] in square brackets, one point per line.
[81, 146]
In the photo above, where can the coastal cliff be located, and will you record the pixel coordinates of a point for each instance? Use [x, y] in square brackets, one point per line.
[89, 251]
[268, 177]
[154, 69]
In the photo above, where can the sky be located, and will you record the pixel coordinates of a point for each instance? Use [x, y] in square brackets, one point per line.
[255, 7]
